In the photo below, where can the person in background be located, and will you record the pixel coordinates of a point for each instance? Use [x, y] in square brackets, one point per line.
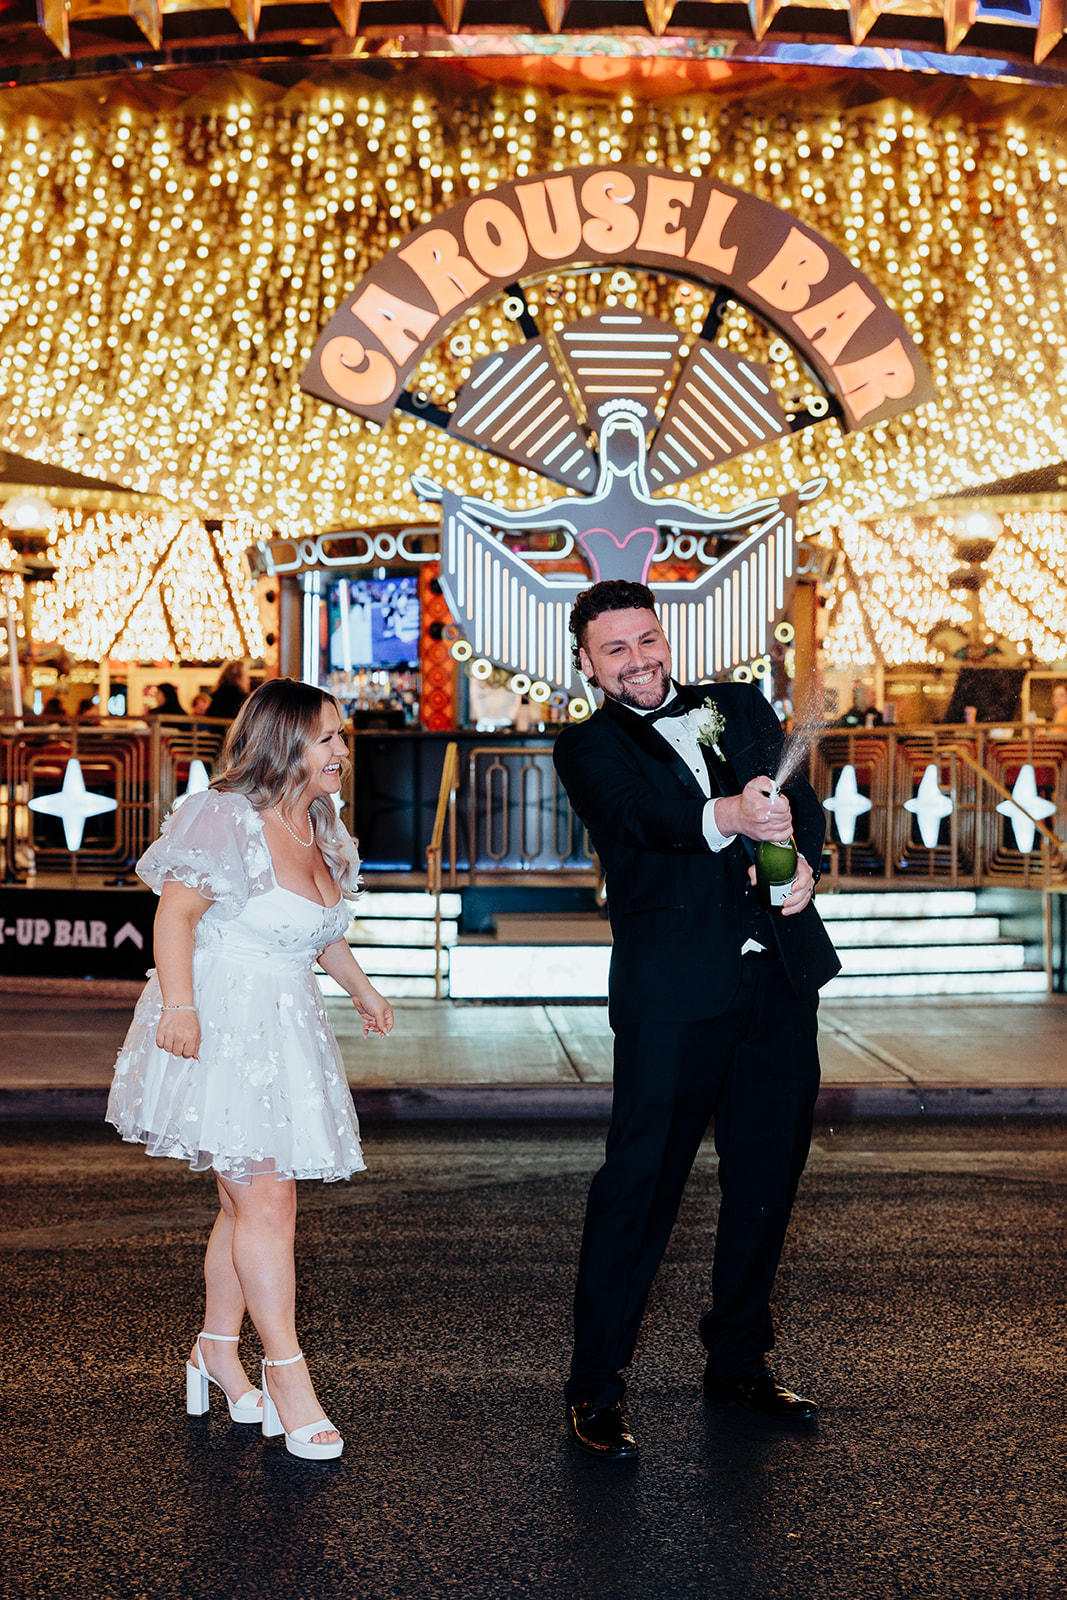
[1059, 705]
[164, 701]
[201, 702]
[231, 691]
[230, 1063]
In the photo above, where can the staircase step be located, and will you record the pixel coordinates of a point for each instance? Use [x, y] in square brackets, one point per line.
[887, 931]
[398, 988]
[375, 903]
[390, 931]
[1005, 957]
[904, 984]
[892, 943]
[398, 961]
[532, 972]
[846, 906]
[546, 927]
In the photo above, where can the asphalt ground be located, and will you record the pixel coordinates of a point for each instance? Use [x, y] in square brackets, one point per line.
[920, 1301]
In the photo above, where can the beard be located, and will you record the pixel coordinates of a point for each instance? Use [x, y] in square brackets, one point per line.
[626, 698]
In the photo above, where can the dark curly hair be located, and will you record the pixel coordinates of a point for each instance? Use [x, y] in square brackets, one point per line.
[613, 595]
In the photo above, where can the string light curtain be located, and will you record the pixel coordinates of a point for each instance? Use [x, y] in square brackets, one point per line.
[892, 592]
[164, 273]
[147, 587]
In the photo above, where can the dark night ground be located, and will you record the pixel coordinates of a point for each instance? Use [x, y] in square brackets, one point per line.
[921, 1301]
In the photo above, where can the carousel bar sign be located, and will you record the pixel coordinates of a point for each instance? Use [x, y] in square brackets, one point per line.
[698, 228]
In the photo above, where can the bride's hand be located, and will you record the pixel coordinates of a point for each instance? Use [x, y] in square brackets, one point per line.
[179, 1034]
[375, 1010]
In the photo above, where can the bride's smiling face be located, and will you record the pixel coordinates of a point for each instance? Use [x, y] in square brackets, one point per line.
[324, 756]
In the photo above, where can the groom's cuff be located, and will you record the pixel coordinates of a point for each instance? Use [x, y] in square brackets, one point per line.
[716, 840]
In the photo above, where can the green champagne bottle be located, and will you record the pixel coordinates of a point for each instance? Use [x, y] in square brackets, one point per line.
[776, 867]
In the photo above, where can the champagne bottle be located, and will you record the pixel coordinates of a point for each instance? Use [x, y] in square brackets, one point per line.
[776, 867]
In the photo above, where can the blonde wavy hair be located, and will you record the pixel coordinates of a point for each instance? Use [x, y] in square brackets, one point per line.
[265, 759]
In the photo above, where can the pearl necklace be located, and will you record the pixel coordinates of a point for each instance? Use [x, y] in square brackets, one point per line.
[304, 843]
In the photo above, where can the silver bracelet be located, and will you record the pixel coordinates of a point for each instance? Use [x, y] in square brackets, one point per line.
[177, 1008]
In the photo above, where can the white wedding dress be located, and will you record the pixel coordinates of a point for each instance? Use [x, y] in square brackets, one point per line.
[268, 1092]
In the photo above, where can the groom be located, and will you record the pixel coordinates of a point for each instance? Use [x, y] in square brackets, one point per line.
[712, 1002]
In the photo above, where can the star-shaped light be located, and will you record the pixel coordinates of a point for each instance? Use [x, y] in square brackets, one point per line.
[196, 783]
[1025, 808]
[847, 804]
[929, 806]
[73, 804]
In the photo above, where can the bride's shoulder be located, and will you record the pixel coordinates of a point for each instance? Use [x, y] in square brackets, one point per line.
[214, 808]
[228, 803]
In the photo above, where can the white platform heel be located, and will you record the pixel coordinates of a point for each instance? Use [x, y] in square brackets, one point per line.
[299, 1442]
[198, 1378]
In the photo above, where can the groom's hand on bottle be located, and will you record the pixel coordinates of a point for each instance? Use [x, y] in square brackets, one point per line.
[759, 812]
[802, 892]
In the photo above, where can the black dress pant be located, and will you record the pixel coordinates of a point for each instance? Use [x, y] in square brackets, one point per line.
[754, 1068]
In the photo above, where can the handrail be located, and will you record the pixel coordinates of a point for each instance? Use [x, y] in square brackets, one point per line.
[994, 783]
[446, 809]
[1048, 839]
[446, 794]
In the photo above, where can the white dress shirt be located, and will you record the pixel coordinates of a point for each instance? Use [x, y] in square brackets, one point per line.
[680, 733]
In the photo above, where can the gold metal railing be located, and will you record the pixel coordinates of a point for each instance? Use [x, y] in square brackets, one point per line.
[1049, 843]
[518, 817]
[978, 765]
[142, 768]
[446, 812]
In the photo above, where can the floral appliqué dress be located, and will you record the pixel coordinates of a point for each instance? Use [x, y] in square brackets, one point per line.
[268, 1092]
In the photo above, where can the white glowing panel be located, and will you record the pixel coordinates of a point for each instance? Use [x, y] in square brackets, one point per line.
[884, 931]
[905, 903]
[517, 616]
[529, 972]
[74, 804]
[918, 985]
[394, 988]
[620, 353]
[380, 903]
[515, 404]
[1026, 808]
[929, 807]
[398, 961]
[933, 959]
[385, 932]
[721, 407]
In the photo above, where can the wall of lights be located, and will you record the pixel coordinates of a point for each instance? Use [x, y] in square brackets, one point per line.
[163, 275]
[147, 588]
[895, 591]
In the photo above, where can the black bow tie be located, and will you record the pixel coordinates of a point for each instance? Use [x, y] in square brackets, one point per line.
[674, 707]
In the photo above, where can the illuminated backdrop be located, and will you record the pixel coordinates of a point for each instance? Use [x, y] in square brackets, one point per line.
[169, 253]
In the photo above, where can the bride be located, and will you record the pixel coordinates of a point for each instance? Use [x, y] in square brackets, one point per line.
[230, 1062]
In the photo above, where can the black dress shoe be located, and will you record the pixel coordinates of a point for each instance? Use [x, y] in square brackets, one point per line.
[600, 1429]
[760, 1393]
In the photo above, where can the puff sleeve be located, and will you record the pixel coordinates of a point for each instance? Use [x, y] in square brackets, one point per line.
[213, 843]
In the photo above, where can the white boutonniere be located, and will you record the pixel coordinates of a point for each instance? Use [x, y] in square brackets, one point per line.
[710, 725]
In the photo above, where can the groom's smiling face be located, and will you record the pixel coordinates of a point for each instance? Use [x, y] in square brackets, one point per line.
[627, 655]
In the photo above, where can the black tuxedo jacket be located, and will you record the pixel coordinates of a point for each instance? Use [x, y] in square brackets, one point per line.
[673, 902]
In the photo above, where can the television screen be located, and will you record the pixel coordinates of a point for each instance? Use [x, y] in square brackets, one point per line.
[374, 622]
